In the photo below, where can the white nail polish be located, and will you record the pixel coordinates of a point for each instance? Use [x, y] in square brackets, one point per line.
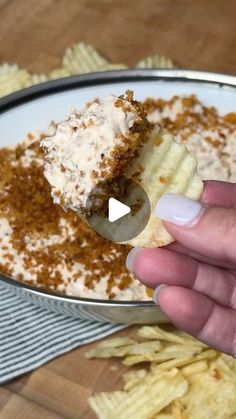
[157, 292]
[130, 258]
[179, 210]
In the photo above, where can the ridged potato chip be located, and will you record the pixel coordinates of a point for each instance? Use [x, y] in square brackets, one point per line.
[6, 68]
[169, 352]
[116, 342]
[208, 398]
[58, 73]
[110, 67]
[13, 80]
[185, 360]
[136, 349]
[149, 397]
[210, 378]
[36, 79]
[156, 332]
[155, 61]
[103, 403]
[167, 167]
[132, 378]
[194, 368]
[83, 58]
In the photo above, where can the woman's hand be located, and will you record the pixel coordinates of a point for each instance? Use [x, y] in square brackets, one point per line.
[198, 271]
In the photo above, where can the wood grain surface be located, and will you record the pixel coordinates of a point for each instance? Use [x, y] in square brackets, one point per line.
[195, 34]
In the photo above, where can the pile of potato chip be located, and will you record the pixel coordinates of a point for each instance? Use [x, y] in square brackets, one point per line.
[79, 59]
[184, 378]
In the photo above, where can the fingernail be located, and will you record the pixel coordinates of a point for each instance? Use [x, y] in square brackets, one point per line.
[179, 210]
[130, 258]
[157, 293]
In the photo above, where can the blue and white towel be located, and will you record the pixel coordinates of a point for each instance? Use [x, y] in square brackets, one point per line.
[30, 335]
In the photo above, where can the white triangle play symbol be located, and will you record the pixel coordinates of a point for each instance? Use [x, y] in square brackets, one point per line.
[116, 210]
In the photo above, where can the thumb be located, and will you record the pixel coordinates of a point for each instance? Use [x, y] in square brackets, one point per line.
[207, 230]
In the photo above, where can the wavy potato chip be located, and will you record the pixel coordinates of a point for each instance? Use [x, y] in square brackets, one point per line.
[194, 368]
[151, 396]
[167, 168]
[168, 352]
[103, 403]
[36, 79]
[156, 332]
[185, 360]
[132, 378]
[59, 73]
[6, 68]
[83, 58]
[116, 342]
[158, 367]
[13, 80]
[210, 378]
[110, 67]
[208, 398]
[155, 61]
[136, 349]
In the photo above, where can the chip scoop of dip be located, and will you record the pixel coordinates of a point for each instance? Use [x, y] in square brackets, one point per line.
[111, 139]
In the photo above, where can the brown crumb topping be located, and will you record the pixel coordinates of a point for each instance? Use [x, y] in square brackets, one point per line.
[189, 120]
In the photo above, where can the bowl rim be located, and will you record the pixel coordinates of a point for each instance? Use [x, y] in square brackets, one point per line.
[94, 79]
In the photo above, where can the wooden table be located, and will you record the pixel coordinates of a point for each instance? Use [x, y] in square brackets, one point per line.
[195, 34]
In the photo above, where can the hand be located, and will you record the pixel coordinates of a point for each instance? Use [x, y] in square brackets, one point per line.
[198, 270]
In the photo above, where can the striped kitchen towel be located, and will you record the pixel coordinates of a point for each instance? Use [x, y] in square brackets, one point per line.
[31, 335]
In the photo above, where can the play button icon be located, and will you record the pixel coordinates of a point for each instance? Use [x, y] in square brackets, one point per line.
[118, 210]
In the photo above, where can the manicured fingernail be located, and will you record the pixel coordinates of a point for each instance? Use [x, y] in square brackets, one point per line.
[157, 293]
[130, 258]
[179, 210]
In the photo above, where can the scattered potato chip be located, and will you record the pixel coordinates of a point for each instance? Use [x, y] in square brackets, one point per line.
[83, 58]
[12, 81]
[221, 368]
[155, 61]
[108, 352]
[210, 378]
[179, 362]
[132, 378]
[121, 348]
[133, 374]
[103, 403]
[194, 368]
[6, 68]
[155, 332]
[208, 398]
[172, 363]
[141, 348]
[168, 352]
[150, 397]
[58, 73]
[36, 79]
[110, 67]
[116, 342]
[229, 360]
